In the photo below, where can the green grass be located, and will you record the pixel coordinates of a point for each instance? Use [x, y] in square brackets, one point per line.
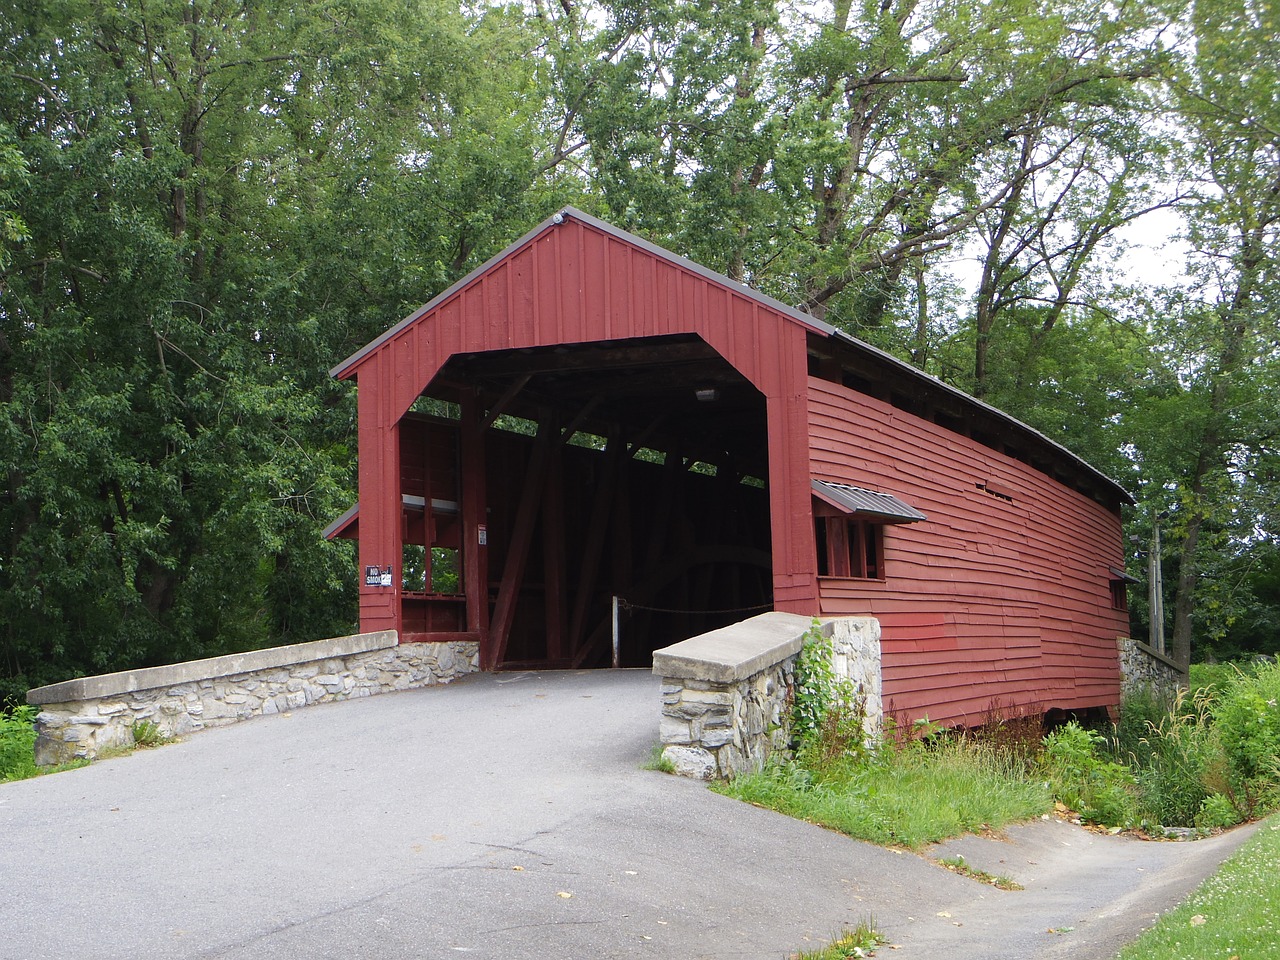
[861, 941]
[909, 796]
[658, 761]
[1232, 914]
[960, 865]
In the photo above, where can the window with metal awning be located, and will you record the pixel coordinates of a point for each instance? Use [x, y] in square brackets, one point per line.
[869, 504]
[1119, 584]
[849, 526]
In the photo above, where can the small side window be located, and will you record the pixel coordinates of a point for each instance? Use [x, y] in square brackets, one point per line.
[849, 547]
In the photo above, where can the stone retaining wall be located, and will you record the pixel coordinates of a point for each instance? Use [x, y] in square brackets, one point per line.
[1142, 667]
[82, 717]
[726, 695]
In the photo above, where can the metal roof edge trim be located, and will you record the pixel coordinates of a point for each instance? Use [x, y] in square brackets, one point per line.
[346, 367]
[983, 405]
[343, 369]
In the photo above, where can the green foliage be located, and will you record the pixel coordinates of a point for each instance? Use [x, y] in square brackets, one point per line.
[1081, 777]
[827, 711]
[1211, 758]
[17, 740]
[148, 734]
[1217, 813]
[909, 795]
[1248, 726]
[658, 760]
[1231, 914]
[1177, 760]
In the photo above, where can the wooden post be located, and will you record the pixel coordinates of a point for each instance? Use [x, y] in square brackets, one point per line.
[553, 548]
[594, 548]
[475, 551]
[521, 539]
[380, 506]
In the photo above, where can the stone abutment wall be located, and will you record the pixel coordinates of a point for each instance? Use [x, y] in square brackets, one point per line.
[83, 717]
[1143, 668]
[726, 695]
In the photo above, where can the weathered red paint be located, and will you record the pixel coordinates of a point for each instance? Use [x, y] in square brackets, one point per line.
[991, 602]
[1001, 599]
[574, 283]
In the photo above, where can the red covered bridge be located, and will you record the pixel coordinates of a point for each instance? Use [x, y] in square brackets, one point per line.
[588, 415]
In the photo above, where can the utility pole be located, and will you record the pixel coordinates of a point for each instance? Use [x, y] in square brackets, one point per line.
[1155, 586]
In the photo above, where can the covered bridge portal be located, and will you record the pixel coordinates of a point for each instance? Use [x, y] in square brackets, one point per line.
[588, 416]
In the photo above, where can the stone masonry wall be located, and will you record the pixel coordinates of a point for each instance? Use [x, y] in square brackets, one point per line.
[714, 731]
[855, 645]
[81, 718]
[1142, 667]
[726, 695]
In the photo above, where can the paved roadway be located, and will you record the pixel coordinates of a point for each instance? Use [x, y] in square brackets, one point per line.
[507, 816]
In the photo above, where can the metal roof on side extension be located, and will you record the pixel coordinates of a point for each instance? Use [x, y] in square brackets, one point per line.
[859, 500]
[349, 367]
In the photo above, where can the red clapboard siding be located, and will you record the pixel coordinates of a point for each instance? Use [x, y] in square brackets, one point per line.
[988, 601]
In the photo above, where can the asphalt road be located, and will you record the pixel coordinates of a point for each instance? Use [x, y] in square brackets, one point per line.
[507, 816]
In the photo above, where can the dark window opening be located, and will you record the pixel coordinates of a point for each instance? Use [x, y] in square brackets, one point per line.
[1119, 595]
[850, 548]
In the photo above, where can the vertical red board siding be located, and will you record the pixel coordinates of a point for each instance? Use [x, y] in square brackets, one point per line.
[574, 283]
[988, 604]
[379, 499]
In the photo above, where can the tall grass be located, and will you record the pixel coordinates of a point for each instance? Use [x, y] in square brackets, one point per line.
[1212, 758]
[909, 795]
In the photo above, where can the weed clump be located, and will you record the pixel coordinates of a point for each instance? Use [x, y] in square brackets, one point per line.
[17, 742]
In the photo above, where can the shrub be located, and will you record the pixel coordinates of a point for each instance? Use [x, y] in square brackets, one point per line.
[1217, 812]
[827, 711]
[1098, 789]
[1248, 725]
[17, 741]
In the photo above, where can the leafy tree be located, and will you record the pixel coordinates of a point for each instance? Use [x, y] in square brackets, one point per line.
[223, 200]
[1227, 324]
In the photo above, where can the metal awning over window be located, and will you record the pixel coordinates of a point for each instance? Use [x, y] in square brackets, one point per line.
[883, 507]
[1118, 574]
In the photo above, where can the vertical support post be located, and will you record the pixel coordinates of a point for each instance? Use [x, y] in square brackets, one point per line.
[795, 559]
[617, 643]
[553, 550]
[521, 539]
[597, 528]
[475, 551]
[1155, 588]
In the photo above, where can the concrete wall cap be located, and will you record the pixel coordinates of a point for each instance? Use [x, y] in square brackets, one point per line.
[735, 652]
[150, 678]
